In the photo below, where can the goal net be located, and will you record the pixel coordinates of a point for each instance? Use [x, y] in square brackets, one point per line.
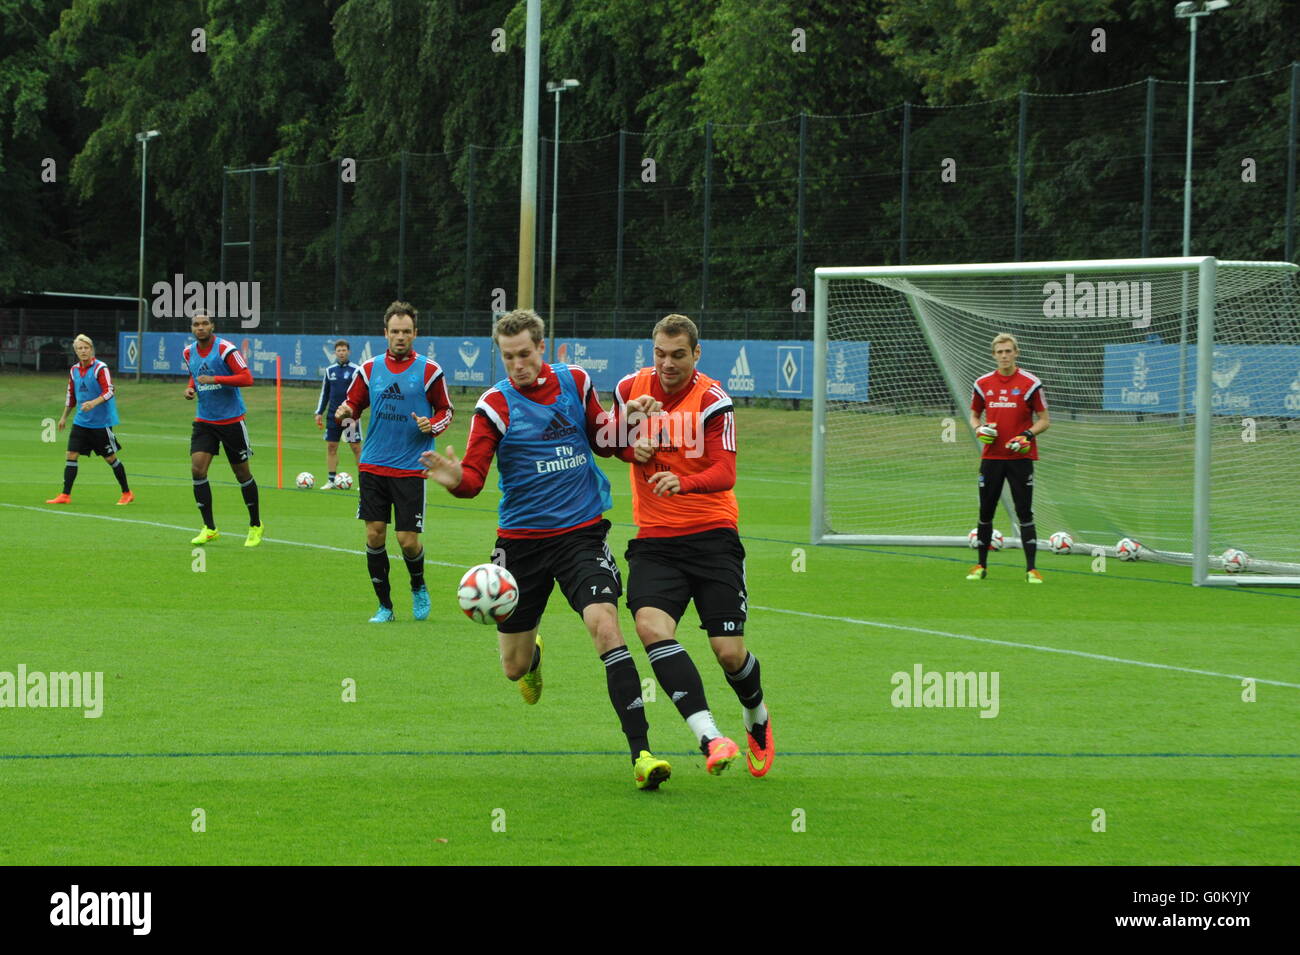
[1173, 387]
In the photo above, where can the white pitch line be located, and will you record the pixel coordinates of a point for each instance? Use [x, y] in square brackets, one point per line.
[1023, 646]
[795, 613]
[181, 527]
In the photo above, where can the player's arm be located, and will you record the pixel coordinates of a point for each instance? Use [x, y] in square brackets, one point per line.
[190, 390]
[1038, 405]
[440, 406]
[69, 400]
[719, 451]
[602, 425]
[241, 376]
[466, 477]
[323, 403]
[357, 399]
[987, 433]
[1040, 422]
[624, 440]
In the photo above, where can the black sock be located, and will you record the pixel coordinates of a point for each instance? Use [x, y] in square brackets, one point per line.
[69, 475]
[984, 534]
[415, 567]
[678, 675]
[625, 693]
[1029, 541]
[250, 499]
[332, 473]
[203, 496]
[377, 562]
[746, 683]
[119, 472]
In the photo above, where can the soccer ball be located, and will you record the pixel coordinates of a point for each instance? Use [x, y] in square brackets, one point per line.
[488, 593]
[1127, 549]
[995, 539]
[343, 480]
[1235, 561]
[1060, 542]
[305, 480]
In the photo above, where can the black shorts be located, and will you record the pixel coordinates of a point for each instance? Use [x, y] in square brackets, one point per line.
[210, 438]
[709, 568]
[578, 560]
[1018, 476]
[334, 431]
[384, 498]
[101, 441]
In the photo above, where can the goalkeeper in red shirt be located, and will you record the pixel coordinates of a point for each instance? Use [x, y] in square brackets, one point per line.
[1015, 414]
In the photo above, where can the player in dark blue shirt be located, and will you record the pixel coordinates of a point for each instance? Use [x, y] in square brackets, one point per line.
[333, 390]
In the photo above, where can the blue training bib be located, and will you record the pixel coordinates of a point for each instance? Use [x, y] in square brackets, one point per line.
[548, 472]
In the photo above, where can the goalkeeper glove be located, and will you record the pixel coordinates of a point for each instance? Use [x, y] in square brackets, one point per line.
[987, 433]
[1021, 443]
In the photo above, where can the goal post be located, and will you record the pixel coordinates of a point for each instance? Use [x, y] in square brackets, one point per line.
[1173, 386]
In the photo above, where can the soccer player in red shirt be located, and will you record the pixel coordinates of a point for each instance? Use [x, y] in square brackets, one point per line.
[217, 373]
[403, 423]
[1009, 399]
[552, 527]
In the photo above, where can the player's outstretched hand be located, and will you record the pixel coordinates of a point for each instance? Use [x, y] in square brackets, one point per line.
[424, 424]
[665, 483]
[342, 411]
[987, 433]
[446, 470]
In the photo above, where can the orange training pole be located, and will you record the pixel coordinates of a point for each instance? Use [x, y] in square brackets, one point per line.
[279, 432]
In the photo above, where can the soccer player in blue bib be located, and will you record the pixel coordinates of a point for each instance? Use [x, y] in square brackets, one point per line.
[540, 422]
[334, 387]
[90, 391]
[217, 372]
[409, 407]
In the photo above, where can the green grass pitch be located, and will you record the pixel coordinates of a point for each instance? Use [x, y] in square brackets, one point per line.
[223, 689]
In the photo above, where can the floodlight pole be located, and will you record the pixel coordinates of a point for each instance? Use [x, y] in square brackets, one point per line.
[1189, 12]
[143, 140]
[528, 160]
[557, 89]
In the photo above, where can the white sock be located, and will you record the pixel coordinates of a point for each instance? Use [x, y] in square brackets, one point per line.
[757, 715]
[702, 725]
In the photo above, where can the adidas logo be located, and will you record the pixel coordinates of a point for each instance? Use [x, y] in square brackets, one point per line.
[393, 391]
[559, 427]
[678, 695]
[606, 590]
[741, 378]
[637, 704]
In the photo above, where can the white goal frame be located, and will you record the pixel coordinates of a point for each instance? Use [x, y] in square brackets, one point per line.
[1205, 269]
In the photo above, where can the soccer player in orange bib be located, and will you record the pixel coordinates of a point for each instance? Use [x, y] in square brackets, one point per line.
[1008, 398]
[687, 545]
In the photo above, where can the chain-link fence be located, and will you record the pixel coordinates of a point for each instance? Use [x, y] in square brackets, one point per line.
[726, 223]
